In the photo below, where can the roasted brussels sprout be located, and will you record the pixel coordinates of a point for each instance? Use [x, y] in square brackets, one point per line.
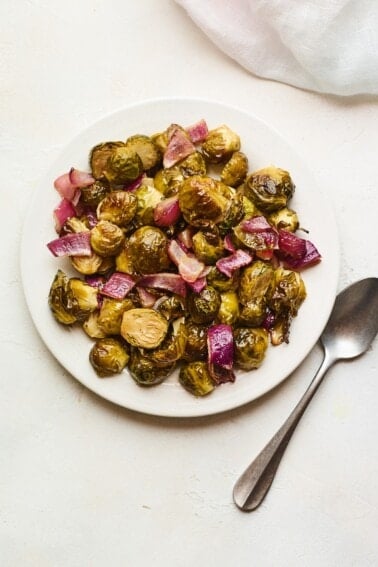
[123, 261]
[74, 225]
[288, 294]
[91, 328]
[220, 144]
[110, 316]
[94, 193]
[87, 265]
[171, 308]
[235, 170]
[270, 188]
[119, 207]
[234, 214]
[80, 298]
[285, 219]
[250, 347]
[203, 307]
[99, 156]
[160, 139]
[196, 342]
[123, 166]
[145, 371]
[107, 238]
[171, 349]
[221, 282]
[147, 247]
[57, 299]
[194, 164]
[195, 378]
[108, 356]
[168, 180]
[207, 246]
[201, 200]
[253, 313]
[249, 208]
[146, 149]
[257, 281]
[144, 328]
[229, 308]
[147, 199]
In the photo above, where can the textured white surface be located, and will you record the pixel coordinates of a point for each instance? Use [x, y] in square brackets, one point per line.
[86, 483]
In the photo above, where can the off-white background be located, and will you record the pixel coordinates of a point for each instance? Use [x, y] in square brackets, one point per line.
[84, 483]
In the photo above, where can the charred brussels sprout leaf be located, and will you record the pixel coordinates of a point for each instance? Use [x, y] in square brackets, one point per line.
[145, 371]
[108, 357]
[57, 299]
[202, 201]
[123, 166]
[146, 149]
[107, 238]
[143, 328]
[285, 219]
[196, 342]
[99, 156]
[250, 347]
[208, 247]
[147, 248]
[235, 170]
[220, 144]
[93, 194]
[195, 378]
[270, 188]
[203, 307]
[119, 207]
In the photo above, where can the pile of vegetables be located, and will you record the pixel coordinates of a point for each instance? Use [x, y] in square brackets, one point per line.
[185, 257]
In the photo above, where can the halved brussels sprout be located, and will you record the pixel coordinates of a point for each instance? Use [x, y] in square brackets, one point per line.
[80, 298]
[143, 328]
[99, 156]
[203, 307]
[108, 356]
[235, 170]
[196, 379]
[119, 207]
[229, 308]
[146, 149]
[201, 200]
[196, 342]
[250, 347]
[147, 247]
[110, 316]
[285, 219]
[57, 299]
[91, 328]
[123, 166]
[93, 194]
[221, 282]
[220, 144]
[207, 246]
[107, 238]
[257, 280]
[87, 265]
[145, 371]
[270, 188]
[147, 199]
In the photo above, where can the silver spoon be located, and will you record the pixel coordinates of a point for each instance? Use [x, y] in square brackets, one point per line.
[350, 330]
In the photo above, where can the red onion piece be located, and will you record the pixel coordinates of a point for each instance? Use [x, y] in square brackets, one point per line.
[62, 212]
[118, 285]
[311, 257]
[179, 147]
[68, 184]
[220, 345]
[167, 212]
[291, 244]
[185, 237]
[74, 244]
[198, 131]
[228, 244]
[233, 262]
[64, 187]
[221, 375]
[146, 298]
[95, 281]
[165, 281]
[256, 224]
[80, 178]
[198, 285]
[188, 266]
[135, 184]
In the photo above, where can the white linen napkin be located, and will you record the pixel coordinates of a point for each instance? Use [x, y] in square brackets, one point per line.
[323, 45]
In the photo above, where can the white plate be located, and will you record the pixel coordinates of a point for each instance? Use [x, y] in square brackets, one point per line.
[264, 147]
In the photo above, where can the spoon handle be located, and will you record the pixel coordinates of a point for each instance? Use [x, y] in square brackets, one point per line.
[253, 485]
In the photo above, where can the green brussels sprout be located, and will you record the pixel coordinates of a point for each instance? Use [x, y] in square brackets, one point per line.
[108, 356]
[160, 139]
[80, 298]
[194, 164]
[220, 144]
[147, 247]
[147, 199]
[234, 213]
[87, 265]
[123, 166]
[196, 379]
[143, 328]
[171, 308]
[229, 308]
[285, 219]
[146, 149]
[196, 342]
[236, 169]
[270, 188]
[111, 312]
[289, 292]
[119, 207]
[207, 246]
[201, 200]
[250, 347]
[57, 299]
[221, 282]
[145, 371]
[168, 180]
[94, 193]
[257, 280]
[123, 261]
[171, 349]
[74, 225]
[99, 156]
[107, 238]
[203, 306]
[91, 328]
[253, 313]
